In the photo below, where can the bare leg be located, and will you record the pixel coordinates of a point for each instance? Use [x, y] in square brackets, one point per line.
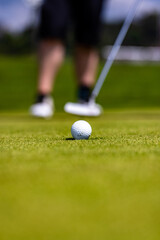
[50, 57]
[86, 65]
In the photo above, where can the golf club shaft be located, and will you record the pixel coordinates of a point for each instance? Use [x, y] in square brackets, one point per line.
[114, 50]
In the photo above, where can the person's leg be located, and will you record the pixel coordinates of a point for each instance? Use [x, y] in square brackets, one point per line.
[52, 35]
[87, 31]
[50, 57]
[86, 66]
[86, 61]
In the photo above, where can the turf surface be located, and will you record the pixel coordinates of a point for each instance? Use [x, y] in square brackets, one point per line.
[107, 187]
[53, 187]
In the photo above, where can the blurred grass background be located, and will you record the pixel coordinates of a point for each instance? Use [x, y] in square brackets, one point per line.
[127, 86]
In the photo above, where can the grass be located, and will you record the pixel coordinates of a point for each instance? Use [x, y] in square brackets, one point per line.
[53, 187]
[127, 86]
[106, 187]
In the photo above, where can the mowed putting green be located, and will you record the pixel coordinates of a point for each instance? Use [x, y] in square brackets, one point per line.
[107, 187]
[55, 188]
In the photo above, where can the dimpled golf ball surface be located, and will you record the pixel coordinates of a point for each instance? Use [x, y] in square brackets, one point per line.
[81, 130]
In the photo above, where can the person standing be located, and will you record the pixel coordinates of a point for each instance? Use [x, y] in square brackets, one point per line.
[54, 22]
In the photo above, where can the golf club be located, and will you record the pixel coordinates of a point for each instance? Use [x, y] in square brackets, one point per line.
[114, 50]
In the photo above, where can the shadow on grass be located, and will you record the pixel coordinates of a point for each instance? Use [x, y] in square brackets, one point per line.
[90, 139]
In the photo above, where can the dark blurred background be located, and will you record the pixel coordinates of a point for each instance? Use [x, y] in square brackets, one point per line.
[18, 21]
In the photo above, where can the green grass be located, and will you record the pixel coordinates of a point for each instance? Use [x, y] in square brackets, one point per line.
[127, 86]
[56, 188]
[107, 187]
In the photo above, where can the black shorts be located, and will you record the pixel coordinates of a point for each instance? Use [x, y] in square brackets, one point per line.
[56, 16]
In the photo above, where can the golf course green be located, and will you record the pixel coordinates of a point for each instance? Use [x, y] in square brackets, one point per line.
[55, 188]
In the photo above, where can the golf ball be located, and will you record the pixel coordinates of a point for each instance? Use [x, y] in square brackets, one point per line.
[81, 130]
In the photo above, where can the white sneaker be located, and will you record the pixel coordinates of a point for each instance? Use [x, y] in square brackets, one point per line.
[90, 109]
[44, 109]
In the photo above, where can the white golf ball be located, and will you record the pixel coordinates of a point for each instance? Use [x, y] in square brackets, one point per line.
[81, 130]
